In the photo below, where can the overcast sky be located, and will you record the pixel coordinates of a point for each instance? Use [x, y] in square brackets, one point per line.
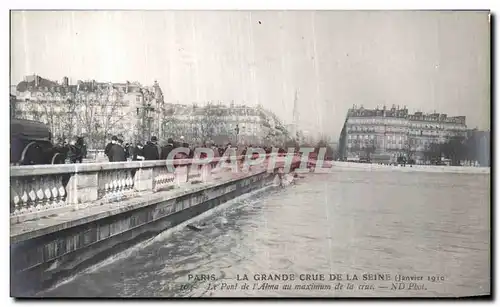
[428, 61]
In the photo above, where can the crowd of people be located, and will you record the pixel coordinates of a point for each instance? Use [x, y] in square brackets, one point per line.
[117, 151]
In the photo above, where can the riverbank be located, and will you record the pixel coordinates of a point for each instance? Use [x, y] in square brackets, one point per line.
[338, 165]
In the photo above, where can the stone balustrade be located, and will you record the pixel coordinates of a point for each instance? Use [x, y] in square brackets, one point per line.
[42, 190]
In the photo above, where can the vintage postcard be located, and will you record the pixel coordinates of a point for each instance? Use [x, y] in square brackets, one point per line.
[250, 154]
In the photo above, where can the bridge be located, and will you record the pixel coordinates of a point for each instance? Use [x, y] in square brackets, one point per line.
[65, 218]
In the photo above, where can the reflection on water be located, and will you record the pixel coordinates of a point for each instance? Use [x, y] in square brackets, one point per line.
[420, 224]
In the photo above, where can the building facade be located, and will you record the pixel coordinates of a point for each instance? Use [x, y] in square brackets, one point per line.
[236, 124]
[98, 110]
[389, 133]
[95, 110]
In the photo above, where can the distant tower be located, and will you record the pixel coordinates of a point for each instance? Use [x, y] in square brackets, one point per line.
[295, 120]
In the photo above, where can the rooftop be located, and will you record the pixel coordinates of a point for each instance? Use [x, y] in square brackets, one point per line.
[37, 83]
[402, 113]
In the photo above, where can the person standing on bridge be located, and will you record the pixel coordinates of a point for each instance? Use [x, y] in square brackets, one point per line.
[131, 151]
[117, 152]
[152, 150]
[138, 154]
[107, 150]
[128, 150]
[165, 150]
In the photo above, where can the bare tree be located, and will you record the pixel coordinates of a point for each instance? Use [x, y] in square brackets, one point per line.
[369, 150]
[209, 122]
[68, 118]
[87, 112]
[50, 114]
[112, 112]
[46, 111]
[433, 153]
[172, 127]
[13, 106]
[99, 116]
[410, 151]
[33, 111]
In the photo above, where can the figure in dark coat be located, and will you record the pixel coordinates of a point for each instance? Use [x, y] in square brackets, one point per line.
[165, 150]
[152, 150]
[117, 153]
[127, 151]
[138, 153]
[107, 150]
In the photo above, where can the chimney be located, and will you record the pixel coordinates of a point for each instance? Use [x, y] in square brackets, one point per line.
[37, 81]
[126, 87]
[65, 82]
[93, 85]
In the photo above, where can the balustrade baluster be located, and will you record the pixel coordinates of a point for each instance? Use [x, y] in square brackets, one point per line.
[24, 198]
[16, 199]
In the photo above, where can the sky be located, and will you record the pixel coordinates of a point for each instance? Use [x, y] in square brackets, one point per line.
[425, 60]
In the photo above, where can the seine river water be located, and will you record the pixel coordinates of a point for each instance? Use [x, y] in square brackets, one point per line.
[434, 227]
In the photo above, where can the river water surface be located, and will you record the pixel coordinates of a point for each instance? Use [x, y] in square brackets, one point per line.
[428, 225]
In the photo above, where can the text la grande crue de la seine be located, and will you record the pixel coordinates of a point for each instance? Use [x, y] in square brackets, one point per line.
[314, 277]
[327, 277]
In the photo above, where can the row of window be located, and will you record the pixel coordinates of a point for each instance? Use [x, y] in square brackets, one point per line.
[218, 127]
[412, 129]
[365, 145]
[99, 97]
[371, 141]
[392, 140]
[372, 136]
[97, 109]
[221, 118]
[380, 121]
[405, 122]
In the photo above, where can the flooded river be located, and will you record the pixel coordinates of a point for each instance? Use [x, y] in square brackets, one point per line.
[379, 227]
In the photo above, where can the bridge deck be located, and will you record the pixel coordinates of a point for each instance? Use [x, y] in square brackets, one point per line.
[72, 216]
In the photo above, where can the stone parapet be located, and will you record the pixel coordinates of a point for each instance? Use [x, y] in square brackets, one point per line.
[44, 190]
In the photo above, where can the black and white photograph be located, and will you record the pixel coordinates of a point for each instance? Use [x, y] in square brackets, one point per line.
[250, 153]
